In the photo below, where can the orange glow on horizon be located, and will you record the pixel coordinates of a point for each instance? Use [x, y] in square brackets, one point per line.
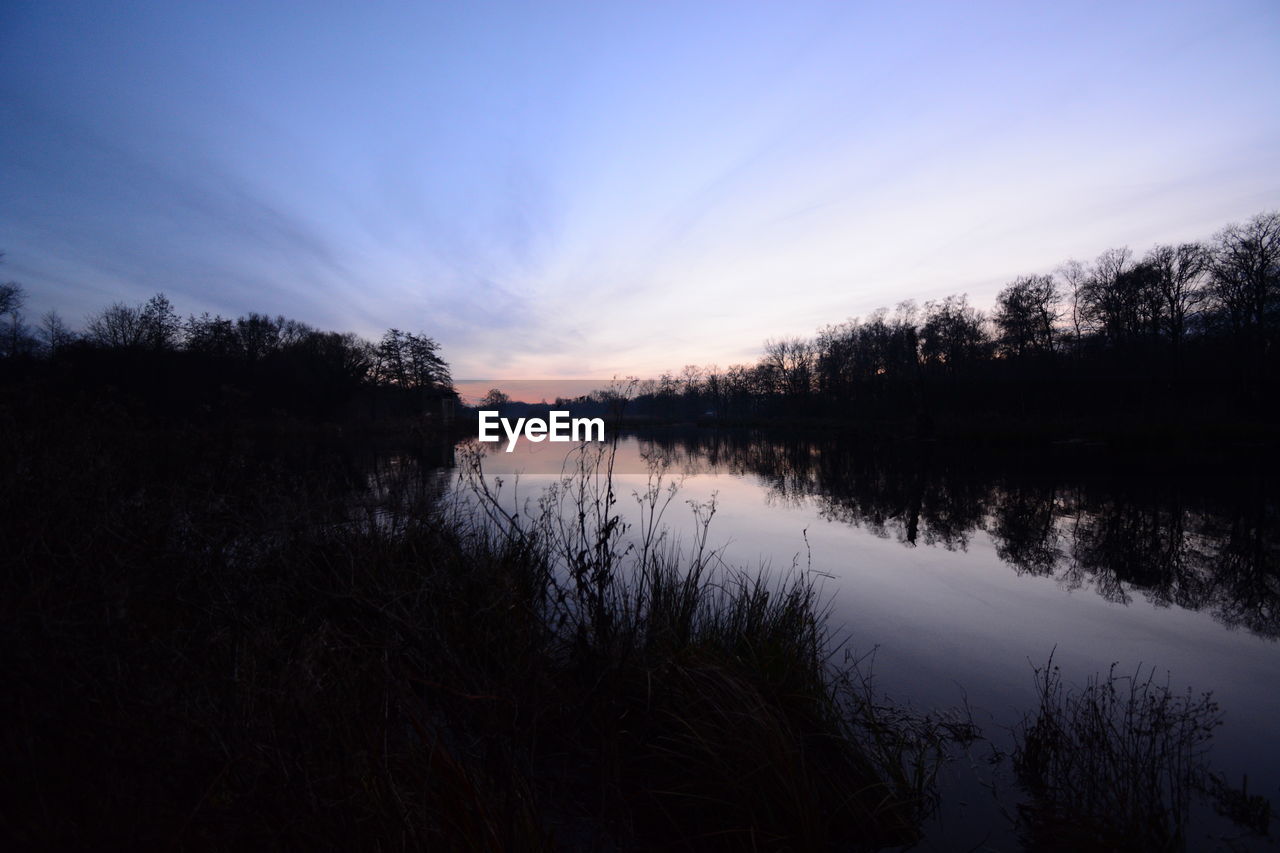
[529, 390]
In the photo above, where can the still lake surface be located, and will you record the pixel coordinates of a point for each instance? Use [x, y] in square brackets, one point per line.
[963, 568]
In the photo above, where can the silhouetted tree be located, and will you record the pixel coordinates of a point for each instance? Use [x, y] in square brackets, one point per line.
[161, 328]
[1075, 277]
[12, 298]
[54, 332]
[953, 337]
[258, 335]
[1246, 283]
[321, 369]
[411, 363]
[1139, 293]
[213, 336]
[118, 326]
[16, 338]
[1179, 279]
[1110, 302]
[495, 399]
[1025, 314]
[293, 331]
[426, 366]
[788, 366]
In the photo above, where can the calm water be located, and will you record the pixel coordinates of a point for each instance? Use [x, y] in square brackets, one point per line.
[963, 569]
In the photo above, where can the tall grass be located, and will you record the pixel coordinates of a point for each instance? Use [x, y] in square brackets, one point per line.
[716, 700]
[1119, 765]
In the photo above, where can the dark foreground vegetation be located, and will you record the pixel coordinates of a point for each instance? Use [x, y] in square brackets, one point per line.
[219, 638]
[1181, 341]
[1119, 764]
[268, 637]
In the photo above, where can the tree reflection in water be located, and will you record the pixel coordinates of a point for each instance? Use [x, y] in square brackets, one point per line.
[1195, 540]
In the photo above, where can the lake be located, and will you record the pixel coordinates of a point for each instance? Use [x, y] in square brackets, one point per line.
[963, 568]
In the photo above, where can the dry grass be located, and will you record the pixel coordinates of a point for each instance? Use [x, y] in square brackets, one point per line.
[1119, 764]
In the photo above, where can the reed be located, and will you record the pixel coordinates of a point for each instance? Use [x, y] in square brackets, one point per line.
[1120, 763]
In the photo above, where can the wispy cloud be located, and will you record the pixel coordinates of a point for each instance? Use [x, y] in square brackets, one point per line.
[583, 191]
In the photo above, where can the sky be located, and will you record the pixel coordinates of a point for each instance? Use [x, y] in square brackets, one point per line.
[602, 189]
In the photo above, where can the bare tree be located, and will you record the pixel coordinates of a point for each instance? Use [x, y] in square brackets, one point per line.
[904, 338]
[12, 298]
[161, 328]
[691, 379]
[258, 335]
[1180, 272]
[293, 332]
[789, 364]
[714, 387]
[53, 332]
[953, 335]
[211, 335]
[1075, 276]
[1246, 280]
[16, 338]
[1026, 313]
[1104, 293]
[118, 326]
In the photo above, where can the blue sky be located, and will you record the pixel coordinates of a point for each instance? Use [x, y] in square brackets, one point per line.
[591, 189]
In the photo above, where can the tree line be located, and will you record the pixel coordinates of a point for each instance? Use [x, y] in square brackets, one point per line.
[255, 363]
[1173, 326]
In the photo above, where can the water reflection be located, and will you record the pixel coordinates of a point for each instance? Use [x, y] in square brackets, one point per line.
[402, 488]
[964, 568]
[1196, 541]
